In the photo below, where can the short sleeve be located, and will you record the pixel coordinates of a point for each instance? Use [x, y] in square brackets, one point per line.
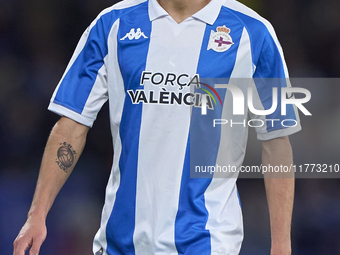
[83, 88]
[271, 72]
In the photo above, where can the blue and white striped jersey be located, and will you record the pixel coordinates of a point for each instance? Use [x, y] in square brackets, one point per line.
[137, 57]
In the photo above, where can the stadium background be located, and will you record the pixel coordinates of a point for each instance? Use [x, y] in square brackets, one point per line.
[37, 38]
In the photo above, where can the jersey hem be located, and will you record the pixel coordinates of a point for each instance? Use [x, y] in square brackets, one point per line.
[278, 133]
[63, 111]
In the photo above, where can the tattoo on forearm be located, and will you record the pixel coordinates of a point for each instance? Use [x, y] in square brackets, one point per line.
[65, 156]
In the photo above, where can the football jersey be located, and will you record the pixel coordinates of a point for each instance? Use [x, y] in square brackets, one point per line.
[154, 72]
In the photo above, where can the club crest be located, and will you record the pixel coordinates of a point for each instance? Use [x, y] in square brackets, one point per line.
[220, 40]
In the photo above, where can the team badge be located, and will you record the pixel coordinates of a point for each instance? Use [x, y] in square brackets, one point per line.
[220, 40]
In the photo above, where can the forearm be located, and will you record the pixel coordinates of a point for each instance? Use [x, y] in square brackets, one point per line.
[62, 152]
[67, 137]
[280, 192]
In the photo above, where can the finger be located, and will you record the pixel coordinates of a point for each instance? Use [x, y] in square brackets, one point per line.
[37, 242]
[20, 246]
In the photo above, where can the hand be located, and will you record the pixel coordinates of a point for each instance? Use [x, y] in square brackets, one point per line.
[32, 234]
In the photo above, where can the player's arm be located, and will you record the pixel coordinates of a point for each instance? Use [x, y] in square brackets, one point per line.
[280, 193]
[62, 152]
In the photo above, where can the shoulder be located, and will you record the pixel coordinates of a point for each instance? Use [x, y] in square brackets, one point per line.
[116, 11]
[123, 6]
[253, 22]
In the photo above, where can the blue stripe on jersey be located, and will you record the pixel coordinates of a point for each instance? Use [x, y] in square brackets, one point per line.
[77, 84]
[265, 90]
[191, 235]
[269, 64]
[270, 73]
[120, 226]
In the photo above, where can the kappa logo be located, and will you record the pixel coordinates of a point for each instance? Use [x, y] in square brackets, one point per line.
[221, 40]
[134, 34]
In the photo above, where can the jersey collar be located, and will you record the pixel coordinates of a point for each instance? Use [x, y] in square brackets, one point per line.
[155, 10]
[208, 14]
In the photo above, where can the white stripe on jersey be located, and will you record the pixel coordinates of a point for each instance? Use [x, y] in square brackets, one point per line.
[98, 94]
[237, 6]
[156, 211]
[116, 109]
[228, 238]
[243, 63]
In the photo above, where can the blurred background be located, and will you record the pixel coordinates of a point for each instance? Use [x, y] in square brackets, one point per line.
[37, 39]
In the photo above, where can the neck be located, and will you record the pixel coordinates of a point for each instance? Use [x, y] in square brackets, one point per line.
[180, 10]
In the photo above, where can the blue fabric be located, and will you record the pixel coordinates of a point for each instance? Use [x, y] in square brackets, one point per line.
[132, 60]
[269, 68]
[77, 84]
[191, 235]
